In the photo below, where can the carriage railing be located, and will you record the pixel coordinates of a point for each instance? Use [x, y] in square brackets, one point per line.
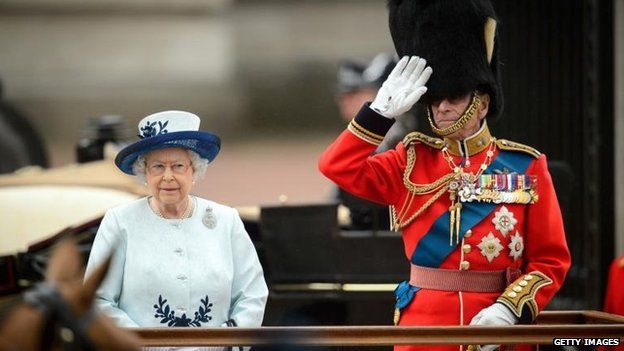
[550, 325]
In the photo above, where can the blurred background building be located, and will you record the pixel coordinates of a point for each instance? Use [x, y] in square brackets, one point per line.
[261, 74]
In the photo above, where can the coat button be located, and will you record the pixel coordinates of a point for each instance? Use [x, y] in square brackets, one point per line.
[464, 265]
[466, 248]
[517, 289]
[512, 294]
[468, 233]
[528, 277]
[523, 283]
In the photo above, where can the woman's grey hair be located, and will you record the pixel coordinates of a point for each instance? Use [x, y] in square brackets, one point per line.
[198, 163]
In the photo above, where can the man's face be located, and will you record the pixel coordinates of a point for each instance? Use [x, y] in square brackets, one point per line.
[350, 103]
[447, 111]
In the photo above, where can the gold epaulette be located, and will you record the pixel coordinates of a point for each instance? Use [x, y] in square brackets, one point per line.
[425, 139]
[504, 144]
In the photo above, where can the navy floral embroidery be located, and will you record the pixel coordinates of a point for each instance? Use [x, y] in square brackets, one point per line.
[151, 129]
[168, 316]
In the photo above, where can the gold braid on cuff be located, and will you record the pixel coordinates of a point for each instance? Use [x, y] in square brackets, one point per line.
[468, 114]
[521, 294]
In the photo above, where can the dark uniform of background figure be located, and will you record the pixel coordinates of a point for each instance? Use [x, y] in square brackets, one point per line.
[98, 133]
[358, 83]
[20, 145]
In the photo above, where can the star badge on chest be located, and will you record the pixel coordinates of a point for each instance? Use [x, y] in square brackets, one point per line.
[504, 221]
[516, 246]
[490, 246]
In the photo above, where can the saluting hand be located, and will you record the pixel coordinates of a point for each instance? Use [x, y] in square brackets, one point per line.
[403, 88]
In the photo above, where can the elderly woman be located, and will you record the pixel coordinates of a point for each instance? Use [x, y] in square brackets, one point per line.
[179, 260]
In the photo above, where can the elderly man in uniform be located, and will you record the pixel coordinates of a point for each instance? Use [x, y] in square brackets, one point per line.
[480, 219]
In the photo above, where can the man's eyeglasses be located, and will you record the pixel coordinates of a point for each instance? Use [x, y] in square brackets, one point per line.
[159, 168]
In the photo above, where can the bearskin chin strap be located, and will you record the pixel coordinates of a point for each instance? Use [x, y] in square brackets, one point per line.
[58, 317]
[469, 113]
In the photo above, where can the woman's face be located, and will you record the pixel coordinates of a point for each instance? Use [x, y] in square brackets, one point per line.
[169, 175]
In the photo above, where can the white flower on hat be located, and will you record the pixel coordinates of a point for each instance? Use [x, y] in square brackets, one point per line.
[168, 122]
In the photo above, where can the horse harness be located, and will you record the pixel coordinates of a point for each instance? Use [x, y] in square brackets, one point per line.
[59, 320]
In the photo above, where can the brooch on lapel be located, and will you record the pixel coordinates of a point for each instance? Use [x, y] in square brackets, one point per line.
[209, 219]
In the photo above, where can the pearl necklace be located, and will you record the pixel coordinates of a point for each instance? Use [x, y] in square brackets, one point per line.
[186, 214]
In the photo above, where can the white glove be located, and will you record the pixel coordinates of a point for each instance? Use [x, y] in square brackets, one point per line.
[404, 86]
[496, 314]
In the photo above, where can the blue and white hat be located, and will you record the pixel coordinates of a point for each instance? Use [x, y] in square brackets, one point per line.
[168, 129]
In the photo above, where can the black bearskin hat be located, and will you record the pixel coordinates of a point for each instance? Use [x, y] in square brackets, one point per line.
[457, 38]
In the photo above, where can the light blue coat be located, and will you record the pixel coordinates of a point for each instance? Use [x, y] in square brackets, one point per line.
[178, 272]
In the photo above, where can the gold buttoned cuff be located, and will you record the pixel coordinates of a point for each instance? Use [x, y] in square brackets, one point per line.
[519, 296]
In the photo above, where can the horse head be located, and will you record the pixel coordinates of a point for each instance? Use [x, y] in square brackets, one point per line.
[60, 313]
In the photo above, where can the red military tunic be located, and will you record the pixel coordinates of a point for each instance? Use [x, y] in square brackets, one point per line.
[529, 237]
[614, 298]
